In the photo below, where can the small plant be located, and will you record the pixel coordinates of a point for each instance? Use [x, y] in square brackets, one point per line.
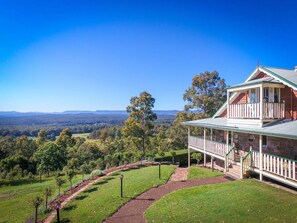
[59, 183]
[84, 169]
[70, 174]
[197, 156]
[47, 193]
[37, 201]
[173, 154]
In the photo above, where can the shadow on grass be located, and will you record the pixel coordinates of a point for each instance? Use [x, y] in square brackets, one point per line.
[81, 197]
[65, 220]
[70, 207]
[93, 189]
[101, 182]
[109, 178]
[144, 199]
[115, 174]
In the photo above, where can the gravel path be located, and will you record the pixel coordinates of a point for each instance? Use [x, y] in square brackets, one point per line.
[133, 211]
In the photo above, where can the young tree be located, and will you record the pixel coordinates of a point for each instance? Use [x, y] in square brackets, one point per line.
[70, 174]
[140, 123]
[37, 201]
[59, 183]
[85, 169]
[47, 193]
[197, 156]
[173, 154]
[206, 94]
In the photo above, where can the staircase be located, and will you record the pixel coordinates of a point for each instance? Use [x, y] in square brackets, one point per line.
[234, 171]
[236, 157]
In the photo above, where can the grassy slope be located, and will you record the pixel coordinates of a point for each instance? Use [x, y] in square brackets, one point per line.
[200, 172]
[238, 201]
[15, 205]
[103, 199]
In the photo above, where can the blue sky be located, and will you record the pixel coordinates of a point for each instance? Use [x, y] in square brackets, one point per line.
[89, 55]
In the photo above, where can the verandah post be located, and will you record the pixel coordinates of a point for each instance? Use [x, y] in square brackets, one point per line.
[204, 146]
[189, 154]
[261, 156]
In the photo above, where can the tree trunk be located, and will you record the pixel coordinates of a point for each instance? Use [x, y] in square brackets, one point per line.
[59, 191]
[71, 186]
[35, 219]
[143, 149]
[40, 177]
[58, 215]
[46, 198]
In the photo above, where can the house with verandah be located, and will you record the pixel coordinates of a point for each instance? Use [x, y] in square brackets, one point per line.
[255, 131]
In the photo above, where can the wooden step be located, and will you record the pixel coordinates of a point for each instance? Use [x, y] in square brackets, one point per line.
[234, 172]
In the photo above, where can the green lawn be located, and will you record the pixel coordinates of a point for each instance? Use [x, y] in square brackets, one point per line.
[103, 199]
[238, 201]
[15, 197]
[200, 172]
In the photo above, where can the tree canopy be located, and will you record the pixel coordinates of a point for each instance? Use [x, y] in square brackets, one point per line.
[206, 94]
[138, 127]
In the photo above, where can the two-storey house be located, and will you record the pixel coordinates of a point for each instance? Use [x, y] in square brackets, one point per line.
[256, 129]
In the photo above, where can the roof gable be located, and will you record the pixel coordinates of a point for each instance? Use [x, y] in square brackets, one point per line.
[285, 76]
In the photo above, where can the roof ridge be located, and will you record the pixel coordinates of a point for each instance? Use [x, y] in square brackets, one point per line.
[267, 67]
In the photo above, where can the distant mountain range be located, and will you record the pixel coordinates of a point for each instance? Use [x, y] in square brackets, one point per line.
[76, 112]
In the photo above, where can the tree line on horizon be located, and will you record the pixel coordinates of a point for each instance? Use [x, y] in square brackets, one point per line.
[138, 138]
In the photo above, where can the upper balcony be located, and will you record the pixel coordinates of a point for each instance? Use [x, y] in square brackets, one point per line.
[255, 102]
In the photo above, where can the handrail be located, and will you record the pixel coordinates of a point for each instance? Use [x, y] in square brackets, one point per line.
[249, 153]
[230, 151]
[227, 159]
[281, 157]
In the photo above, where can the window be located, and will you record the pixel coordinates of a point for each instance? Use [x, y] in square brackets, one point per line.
[276, 95]
[266, 94]
[254, 95]
[264, 142]
[230, 138]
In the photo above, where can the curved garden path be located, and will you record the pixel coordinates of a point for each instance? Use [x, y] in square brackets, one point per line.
[133, 211]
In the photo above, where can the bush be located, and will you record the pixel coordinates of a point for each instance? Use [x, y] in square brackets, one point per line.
[3, 174]
[96, 173]
[182, 159]
[31, 176]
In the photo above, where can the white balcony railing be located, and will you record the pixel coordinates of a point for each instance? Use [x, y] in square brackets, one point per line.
[275, 164]
[252, 110]
[210, 146]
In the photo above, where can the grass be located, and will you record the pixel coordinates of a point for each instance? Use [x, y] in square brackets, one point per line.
[103, 199]
[16, 196]
[237, 201]
[200, 172]
[83, 135]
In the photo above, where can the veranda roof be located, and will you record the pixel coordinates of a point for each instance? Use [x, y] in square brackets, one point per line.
[283, 128]
[256, 82]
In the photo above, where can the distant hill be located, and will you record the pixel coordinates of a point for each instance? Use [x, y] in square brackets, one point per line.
[76, 112]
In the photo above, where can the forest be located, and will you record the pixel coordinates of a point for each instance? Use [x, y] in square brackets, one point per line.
[141, 135]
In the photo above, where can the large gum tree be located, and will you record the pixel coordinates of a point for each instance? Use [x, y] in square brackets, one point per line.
[138, 127]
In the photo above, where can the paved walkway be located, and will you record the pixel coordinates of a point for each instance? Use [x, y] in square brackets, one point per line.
[133, 211]
[180, 174]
